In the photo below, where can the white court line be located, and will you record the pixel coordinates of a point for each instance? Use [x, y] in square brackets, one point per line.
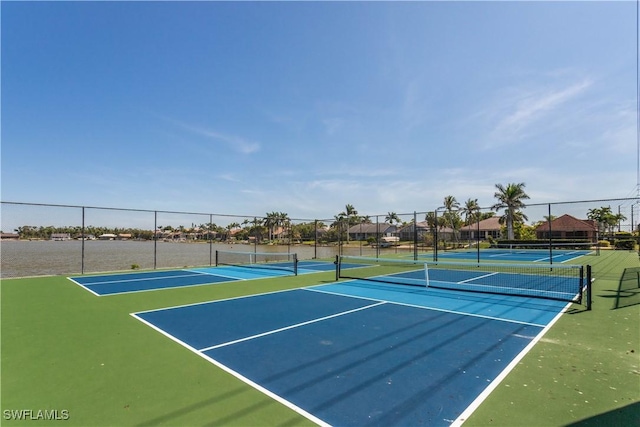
[197, 273]
[315, 264]
[84, 287]
[426, 307]
[476, 278]
[461, 418]
[516, 360]
[275, 331]
[215, 301]
[229, 280]
[218, 275]
[239, 376]
[144, 279]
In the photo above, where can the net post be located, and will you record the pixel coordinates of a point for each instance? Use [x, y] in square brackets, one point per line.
[217, 258]
[209, 237]
[588, 293]
[415, 236]
[435, 236]
[337, 263]
[426, 274]
[295, 264]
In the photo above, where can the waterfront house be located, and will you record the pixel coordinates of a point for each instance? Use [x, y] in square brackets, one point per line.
[373, 230]
[485, 229]
[60, 236]
[568, 227]
[421, 228]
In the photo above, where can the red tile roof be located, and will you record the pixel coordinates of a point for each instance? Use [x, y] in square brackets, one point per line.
[567, 222]
[488, 224]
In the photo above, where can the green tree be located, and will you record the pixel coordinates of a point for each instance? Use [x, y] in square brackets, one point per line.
[605, 219]
[431, 221]
[510, 198]
[471, 211]
[230, 227]
[351, 215]
[391, 218]
[270, 221]
[274, 220]
[451, 217]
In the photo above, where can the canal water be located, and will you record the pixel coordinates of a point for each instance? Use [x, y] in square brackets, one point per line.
[41, 258]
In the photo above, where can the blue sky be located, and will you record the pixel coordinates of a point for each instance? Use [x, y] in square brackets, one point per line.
[303, 107]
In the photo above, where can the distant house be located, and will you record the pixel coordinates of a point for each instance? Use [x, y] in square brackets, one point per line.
[407, 232]
[107, 236]
[568, 227]
[9, 236]
[60, 236]
[280, 233]
[377, 230]
[176, 236]
[424, 230]
[485, 229]
[123, 236]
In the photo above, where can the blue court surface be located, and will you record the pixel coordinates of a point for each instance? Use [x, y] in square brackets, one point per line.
[113, 284]
[358, 353]
[518, 255]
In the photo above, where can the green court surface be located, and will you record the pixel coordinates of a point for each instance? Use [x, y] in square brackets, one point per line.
[85, 360]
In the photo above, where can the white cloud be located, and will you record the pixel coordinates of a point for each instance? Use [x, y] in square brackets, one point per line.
[238, 143]
[621, 135]
[518, 111]
[228, 177]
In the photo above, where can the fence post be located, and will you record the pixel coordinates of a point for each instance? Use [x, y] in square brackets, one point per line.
[550, 237]
[155, 238]
[83, 238]
[588, 296]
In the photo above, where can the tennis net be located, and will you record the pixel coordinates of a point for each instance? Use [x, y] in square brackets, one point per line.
[560, 282]
[266, 260]
[544, 248]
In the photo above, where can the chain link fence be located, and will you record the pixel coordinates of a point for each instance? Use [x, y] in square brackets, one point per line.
[45, 239]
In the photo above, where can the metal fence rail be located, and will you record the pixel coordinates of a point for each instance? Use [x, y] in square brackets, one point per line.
[45, 239]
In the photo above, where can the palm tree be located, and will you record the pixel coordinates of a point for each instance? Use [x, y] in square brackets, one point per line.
[337, 224]
[450, 215]
[351, 214]
[392, 217]
[605, 218]
[350, 211]
[271, 222]
[431, 221]
[230, 227]
[471, 211]
[510, 198]
[283, 221]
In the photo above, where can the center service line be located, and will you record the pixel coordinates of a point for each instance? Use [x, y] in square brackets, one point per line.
[291, 327]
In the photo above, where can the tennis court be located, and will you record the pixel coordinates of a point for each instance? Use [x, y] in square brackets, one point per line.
[513, 254]
[114, 284]
[365, 352]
